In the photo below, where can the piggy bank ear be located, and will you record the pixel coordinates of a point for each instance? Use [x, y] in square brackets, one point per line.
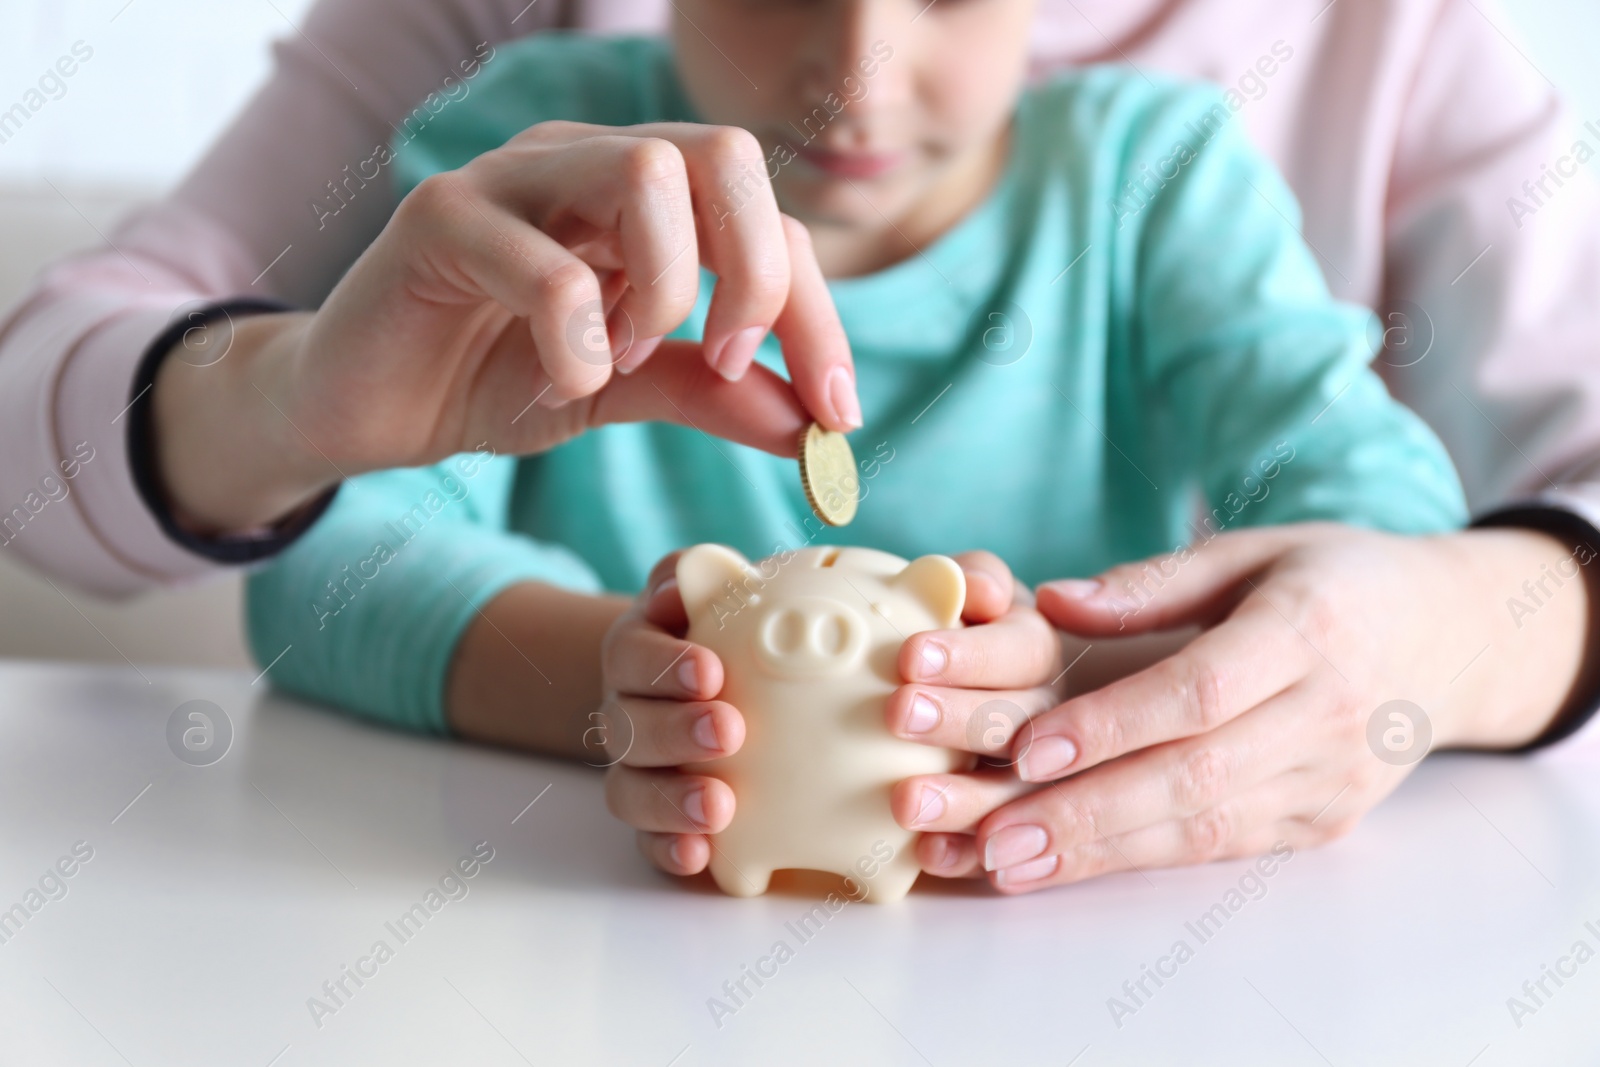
[935, 581]
[704, 572]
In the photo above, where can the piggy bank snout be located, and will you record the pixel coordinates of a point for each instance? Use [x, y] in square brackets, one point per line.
[810, 636]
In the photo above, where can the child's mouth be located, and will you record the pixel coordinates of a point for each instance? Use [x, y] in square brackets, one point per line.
[850, 164]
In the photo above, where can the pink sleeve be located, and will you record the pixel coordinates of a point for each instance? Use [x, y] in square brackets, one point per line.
[1493, 248]
[1444, 183]
[1496, 257]
[243, 222]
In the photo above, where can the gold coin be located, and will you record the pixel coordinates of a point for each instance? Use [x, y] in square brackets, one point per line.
[828, 475]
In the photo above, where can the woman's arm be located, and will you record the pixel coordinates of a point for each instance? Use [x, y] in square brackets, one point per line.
[246, 220]
[1262, 729]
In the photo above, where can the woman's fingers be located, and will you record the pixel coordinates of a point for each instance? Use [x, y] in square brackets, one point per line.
[814, 345]
[724, 214]
[661, 199]
[744, 244]
[1016, 651]
[676, 853]
[1221, 674]
[1180, 780]
[678, 195]
[621, 197]
[1291, 811]
[462, 245]
[669, 801]
[1271, 822]
[1175, 589]
[760, 410]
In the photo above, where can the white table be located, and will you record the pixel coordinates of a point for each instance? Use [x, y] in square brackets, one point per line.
[220, 898]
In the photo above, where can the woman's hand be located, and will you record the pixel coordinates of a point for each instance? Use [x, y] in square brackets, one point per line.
[496, 309]
[660, 709]
[1258, 730]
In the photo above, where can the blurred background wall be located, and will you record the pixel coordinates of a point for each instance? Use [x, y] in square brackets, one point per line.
[165, 77]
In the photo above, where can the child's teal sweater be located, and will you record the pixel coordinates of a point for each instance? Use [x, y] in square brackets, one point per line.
[1126, 334]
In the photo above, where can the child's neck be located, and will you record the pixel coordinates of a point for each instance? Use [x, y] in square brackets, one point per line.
[847, 251]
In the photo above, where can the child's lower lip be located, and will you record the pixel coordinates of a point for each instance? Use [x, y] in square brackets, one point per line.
[851, 165]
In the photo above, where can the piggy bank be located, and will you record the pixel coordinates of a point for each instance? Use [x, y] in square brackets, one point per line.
[809, 641]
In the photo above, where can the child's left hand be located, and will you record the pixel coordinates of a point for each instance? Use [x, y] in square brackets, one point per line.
[974, 689]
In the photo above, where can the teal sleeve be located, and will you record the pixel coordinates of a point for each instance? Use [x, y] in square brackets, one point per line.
[364, 612]
[555, 74]
[1263, 376]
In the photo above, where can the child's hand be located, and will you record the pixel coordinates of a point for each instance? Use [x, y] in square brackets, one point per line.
[974, 689]
[660, 708]
[659, 712]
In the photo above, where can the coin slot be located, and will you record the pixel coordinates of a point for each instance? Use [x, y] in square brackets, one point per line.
[831, 558]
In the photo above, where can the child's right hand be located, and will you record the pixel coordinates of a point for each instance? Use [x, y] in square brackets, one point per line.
[493, 309]
[657, 713]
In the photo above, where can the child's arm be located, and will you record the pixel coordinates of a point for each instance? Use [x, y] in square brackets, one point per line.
[526, 673]
[367, 610]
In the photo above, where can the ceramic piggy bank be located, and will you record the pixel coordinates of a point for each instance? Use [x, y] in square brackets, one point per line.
[809, 641]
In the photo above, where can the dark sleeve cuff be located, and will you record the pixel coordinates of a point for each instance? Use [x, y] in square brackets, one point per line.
[1583, 539]
[193, 330]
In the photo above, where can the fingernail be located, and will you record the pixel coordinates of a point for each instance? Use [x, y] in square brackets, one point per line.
[675, 854]
[842, 394]
[1028, 872]
[694, 806]
[1046, 758]
[669, 582]
[621, 339]
[689, 675]
[1014, 845]
[924, 715]
[737, 352]
[946, 857]
[705, 733]
[1077, 588]
[550, 399]
[633, 357]
[935, 659]
[930, 808]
